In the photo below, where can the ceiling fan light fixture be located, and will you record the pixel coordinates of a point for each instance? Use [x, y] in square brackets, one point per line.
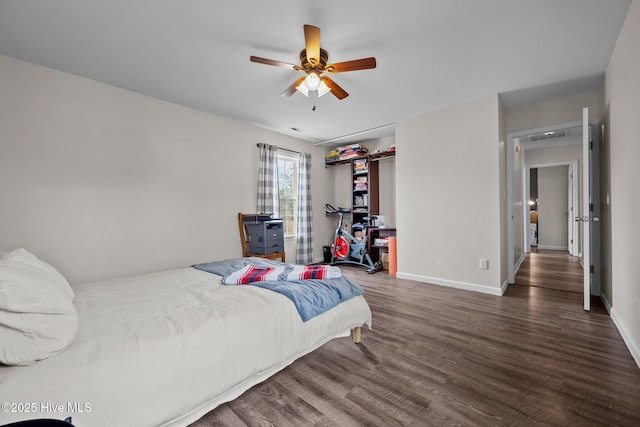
[303, 89]
[313, 61]
[322, 87]
[312, 81]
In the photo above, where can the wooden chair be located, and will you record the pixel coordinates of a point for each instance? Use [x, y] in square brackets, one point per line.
[244, 239]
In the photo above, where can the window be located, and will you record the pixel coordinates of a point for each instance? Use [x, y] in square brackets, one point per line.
[288, 191]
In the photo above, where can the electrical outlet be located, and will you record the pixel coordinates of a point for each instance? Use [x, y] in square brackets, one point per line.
[484, 264]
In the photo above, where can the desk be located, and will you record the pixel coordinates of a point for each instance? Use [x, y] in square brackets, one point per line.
[377, 233]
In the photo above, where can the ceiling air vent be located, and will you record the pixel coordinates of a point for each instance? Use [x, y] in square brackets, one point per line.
[548, 135]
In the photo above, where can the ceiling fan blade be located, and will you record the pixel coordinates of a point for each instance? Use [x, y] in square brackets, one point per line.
[292, 89]
[335, 89]
[354, 65]
[312, 42]
[274, 62]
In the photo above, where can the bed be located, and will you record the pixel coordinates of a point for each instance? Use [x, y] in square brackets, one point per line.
[165, 348]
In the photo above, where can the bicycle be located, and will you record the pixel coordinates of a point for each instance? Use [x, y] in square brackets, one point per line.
[348, 249]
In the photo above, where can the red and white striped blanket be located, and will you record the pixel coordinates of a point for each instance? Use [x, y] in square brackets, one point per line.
[285, 273]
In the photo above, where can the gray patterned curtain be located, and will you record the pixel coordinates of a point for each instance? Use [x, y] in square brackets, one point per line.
[304, 251]
[268, 191]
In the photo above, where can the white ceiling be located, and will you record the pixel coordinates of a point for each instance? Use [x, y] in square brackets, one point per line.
[430, 53]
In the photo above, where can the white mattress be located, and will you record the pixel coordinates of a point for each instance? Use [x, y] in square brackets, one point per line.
[166, 348]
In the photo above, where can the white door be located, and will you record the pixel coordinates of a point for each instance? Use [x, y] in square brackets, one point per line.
[571, 215]
[590, 210]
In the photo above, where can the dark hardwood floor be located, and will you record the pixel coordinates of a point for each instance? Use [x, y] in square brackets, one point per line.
[438, 356]
[551, 269]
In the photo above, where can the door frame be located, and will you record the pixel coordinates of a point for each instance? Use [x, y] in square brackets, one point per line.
[572, 182]
[573, 194]
[511, 147]
[585, 212]
[591, 207]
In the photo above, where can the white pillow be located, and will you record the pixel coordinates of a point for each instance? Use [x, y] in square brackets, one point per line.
[37, 315]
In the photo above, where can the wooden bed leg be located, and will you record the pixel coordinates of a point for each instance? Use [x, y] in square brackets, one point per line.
[356, 334]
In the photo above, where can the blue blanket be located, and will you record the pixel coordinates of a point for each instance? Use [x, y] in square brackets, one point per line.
[311, 297]
[314, 297]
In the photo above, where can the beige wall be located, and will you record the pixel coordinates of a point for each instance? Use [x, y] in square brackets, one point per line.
[103, 182]
[342, 186]
[560, 110]
[447, 193]
[548, 155]
[621, 201]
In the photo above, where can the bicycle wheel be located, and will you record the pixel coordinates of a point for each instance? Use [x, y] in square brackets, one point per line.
[340, 247]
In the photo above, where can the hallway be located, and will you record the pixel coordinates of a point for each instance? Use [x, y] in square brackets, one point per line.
[551, 269]
[544, 268]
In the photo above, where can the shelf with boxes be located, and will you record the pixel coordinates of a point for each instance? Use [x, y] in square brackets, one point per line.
[365, 202]
[365, 188]
[378, 241]
[337, 160]
[360, 189]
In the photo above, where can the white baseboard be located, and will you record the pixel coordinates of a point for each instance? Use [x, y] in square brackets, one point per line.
[504, 286]
[554, 248]
[516, 267]
[606, 303]
[454, 284]
[518, 264]
[633, 348]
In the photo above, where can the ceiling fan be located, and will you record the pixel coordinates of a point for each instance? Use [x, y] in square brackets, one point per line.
[313, 61]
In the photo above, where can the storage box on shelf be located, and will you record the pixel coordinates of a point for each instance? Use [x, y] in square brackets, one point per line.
[346, 153]
[378, 242]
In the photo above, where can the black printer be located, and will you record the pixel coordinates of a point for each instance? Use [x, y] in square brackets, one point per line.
[266, 234]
